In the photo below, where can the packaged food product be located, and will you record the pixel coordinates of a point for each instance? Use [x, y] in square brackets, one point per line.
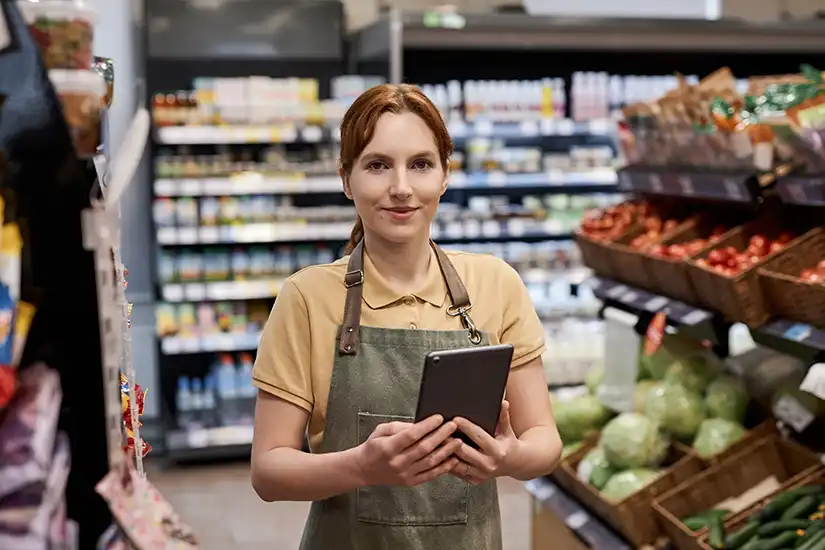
[105, 67]
[81, 95]
[63, 30]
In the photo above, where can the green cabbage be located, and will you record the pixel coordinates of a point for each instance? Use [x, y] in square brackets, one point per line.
[694, 373]
[593, 379]
[727, 398]
[595, 469]
[626, 483]
[632, 440]
[678, 410]
[715, 435]
[640, 397]
[579, 417]
[674, 349]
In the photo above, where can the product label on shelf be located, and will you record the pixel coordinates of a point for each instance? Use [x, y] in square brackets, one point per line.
[529, 128]
[655, 181]
[565, 127]
[793, 413]
[798, 332]
[686, 185]
[733, 190]
[814, 382]
[656, 303]
[577, 520]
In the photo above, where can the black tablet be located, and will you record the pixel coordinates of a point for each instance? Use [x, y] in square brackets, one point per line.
[467, 382]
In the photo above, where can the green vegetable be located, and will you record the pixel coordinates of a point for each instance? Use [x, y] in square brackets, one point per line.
[579, 417]
[739, 538]
[627, 483]
[569, 448]
[643, 387]
[694, 372]
[715, 435]
[815, 528]
[716, 538]
[595, 469]
[676, 408]
[780, 503]
[817, 542]
[802, 508]
[698, 521]
[727, 398]
[751, 544]
[779, 542]
[777, 527]
[632, 440]
[593, 379]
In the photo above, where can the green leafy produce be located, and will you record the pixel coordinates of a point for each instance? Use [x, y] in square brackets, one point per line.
[594, 379]
[628, 482]
[726, 397]
[676, 408]
[694, 373]
[715, 435]
[639, 398]
[570, 448]
[595, 469]
[579, 417]
[631, 440]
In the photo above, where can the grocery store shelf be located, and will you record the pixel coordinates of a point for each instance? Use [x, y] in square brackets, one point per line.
[222, 290]
[802, 190]
[209, 443]
[594, 181]
[218, 135]
[529, 129]
[792, 338]
[717, 186]
[589, 527]
[181, 345]
[481, 32]
[340, 231]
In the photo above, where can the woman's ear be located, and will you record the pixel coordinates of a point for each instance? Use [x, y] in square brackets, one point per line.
[345, 182]
[446, 181]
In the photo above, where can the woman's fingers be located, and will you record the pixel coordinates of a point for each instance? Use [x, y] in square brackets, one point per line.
[471, 456]
[429, 444]
[405, 439]
[428, 475]
[432, 460]
[481, 438]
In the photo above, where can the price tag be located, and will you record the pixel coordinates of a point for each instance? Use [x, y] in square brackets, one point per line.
[694, 317]
[814, 382]
[190, 345]
[187, 235]
[733, 190]
[170, 345]
[210, 235]
[529, 128]
[548, 126]
[655, 332]
[190, 187]
[565, 127]
[197, 439]
[195, 292]
[625, 183]
[629, 297]
[311, 134]
[798, 332]
[686, 184]
[173, 293]
[484, 128]
[796, 192]
[167, 235]
[497, 179]
[793, 413]
[165, 188]
[616, 292]
[577, 520]
[655, 181]
[657, 303]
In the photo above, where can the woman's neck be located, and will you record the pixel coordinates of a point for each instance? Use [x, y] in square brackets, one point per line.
[404, 266]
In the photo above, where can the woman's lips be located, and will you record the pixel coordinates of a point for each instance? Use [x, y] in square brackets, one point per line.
[400, 214]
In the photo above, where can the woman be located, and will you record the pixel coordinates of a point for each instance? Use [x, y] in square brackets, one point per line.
[342, 354]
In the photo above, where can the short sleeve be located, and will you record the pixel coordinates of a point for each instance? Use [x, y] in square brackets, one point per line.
[282, 367]
[520, 325]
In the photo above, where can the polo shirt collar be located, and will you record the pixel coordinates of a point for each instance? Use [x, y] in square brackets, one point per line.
[378, 293]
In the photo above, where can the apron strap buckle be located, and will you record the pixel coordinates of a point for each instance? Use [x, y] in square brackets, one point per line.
[354, 278]
[463, 312]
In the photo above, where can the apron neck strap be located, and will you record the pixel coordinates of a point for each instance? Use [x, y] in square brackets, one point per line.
[354, 281]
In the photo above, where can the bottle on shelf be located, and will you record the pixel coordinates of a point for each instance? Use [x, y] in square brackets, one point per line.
[209, 413]
[227, 390]
[197, 403]
[183, 403]
[246, 391]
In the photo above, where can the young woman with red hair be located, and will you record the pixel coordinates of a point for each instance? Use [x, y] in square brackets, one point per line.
[342, 354]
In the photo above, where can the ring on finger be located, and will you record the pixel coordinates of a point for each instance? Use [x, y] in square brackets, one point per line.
[467, 470]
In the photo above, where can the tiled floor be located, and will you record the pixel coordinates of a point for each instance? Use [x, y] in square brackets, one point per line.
[220, 505]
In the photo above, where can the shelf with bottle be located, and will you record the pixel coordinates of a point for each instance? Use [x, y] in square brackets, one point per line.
[186, 328]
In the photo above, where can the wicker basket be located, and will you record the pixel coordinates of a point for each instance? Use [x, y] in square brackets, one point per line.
[632, 516]
[669, 277]
[815, 476]
[738, 298]
[629, 263]
[595, 255]
[786, 295]
[768, 456]
[564, 477]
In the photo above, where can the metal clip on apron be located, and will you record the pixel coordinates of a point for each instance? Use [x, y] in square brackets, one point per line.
[375, 379]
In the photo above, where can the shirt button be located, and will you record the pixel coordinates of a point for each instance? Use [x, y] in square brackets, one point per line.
[409, 300]
[413, 326]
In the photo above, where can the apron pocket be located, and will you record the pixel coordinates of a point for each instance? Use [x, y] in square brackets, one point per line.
[442, 501]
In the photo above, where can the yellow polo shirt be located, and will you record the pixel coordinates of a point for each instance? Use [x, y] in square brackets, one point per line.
[298, 347]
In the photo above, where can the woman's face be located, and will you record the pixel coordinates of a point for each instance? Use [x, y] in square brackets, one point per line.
[398, 180]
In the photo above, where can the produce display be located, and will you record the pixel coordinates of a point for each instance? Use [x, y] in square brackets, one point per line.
[680, 251]
[613, 221]
[794, 518]
[815, 274]
[730, 261]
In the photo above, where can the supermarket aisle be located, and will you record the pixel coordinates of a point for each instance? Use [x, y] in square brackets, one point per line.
[236, 518]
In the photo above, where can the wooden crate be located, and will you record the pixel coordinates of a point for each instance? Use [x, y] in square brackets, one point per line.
[632, 516]
[815, 477]
[768, 456]
[786, 295]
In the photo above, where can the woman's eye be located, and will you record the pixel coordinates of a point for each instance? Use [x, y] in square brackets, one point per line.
[376, 166]
[421, 165]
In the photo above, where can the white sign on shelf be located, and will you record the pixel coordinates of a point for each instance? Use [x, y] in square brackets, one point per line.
[814, 382]
[793, 413]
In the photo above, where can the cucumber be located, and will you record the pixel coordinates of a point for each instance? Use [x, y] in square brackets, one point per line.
[694, 523]
[812, 530]
[783, 501]
[778, 542]
[751, 544]
[817, 542]
[716, 539]
[742, 537]
[777, 527]
[802, 508]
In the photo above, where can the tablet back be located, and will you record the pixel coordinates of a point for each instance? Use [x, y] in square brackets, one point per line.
[467, 382]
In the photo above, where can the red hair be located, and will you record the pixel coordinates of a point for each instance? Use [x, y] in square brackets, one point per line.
[358, 127]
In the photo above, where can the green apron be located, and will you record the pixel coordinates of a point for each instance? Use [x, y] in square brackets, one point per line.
[375, 379]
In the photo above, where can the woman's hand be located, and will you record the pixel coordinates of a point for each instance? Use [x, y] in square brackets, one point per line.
[398, 453]
[491, 460]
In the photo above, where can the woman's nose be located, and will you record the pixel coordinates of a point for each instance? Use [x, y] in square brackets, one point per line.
[400, 185]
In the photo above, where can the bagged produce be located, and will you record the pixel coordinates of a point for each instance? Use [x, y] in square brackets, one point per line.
[626, 483]
[715, 435]
[632, 440]
[677, 409]
[674, 349]
[727, 397]
[579, 417]
[595, 469]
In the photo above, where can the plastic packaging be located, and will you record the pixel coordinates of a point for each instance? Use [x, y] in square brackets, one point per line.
[63, 30]
[81, 94]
